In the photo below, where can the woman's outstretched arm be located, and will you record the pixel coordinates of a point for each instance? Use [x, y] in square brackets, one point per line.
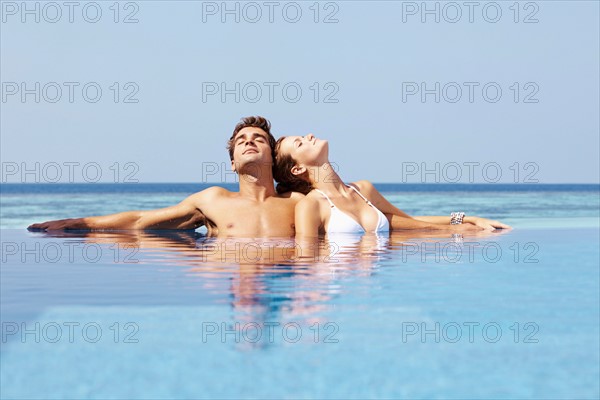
[401, 220]
[478, 221]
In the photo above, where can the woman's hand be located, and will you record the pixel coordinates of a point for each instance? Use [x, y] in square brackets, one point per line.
[486, 224]
[464, 228]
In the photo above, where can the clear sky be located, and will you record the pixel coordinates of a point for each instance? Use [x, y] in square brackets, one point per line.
[491, 91]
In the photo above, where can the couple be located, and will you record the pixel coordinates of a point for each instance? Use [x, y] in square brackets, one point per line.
[303, 204]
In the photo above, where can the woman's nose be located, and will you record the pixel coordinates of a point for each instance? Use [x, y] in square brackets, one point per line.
[310, 136]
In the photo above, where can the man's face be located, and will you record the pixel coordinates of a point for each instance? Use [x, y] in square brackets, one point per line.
[251, 146]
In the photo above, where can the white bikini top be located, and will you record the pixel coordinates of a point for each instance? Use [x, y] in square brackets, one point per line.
[340, 222]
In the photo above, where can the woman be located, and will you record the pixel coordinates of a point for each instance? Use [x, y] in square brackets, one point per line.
[302, 165]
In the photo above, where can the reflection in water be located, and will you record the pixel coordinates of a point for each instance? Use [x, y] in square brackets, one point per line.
[269, 280]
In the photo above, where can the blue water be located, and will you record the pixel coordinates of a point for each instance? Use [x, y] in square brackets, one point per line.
[163, 315]
[531, 205]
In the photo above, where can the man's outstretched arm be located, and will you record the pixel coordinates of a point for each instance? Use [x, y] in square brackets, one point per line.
[185, 215]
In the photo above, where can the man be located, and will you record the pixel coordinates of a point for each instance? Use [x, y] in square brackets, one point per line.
[255, 211]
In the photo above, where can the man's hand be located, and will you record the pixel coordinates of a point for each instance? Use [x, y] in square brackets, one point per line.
[484, 223]
[58, 225]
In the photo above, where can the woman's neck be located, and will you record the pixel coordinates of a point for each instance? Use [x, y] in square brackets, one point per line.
[324, 178]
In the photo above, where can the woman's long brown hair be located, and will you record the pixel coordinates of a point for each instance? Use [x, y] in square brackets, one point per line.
[286, 181]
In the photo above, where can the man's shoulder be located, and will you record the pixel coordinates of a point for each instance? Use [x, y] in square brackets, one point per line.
[210, 193]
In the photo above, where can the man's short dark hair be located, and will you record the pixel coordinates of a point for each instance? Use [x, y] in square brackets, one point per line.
[256, 122]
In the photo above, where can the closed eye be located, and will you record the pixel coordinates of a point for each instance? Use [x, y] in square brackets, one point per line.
[255, 137]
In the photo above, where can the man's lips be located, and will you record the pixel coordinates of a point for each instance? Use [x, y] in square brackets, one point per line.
[250, 150]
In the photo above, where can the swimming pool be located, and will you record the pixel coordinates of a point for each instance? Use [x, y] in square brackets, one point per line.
[154, 315]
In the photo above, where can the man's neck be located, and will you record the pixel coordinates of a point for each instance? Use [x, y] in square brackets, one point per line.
[257, 186]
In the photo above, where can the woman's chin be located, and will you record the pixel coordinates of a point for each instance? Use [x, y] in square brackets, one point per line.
[323, 151]
[323, 144]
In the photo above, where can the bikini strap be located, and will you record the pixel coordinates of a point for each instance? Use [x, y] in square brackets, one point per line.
[361, 195]
[328, 199]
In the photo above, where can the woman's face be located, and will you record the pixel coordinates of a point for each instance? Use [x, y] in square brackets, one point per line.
[305, 150]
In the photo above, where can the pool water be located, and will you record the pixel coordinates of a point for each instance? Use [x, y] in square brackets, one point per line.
[156, 316]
